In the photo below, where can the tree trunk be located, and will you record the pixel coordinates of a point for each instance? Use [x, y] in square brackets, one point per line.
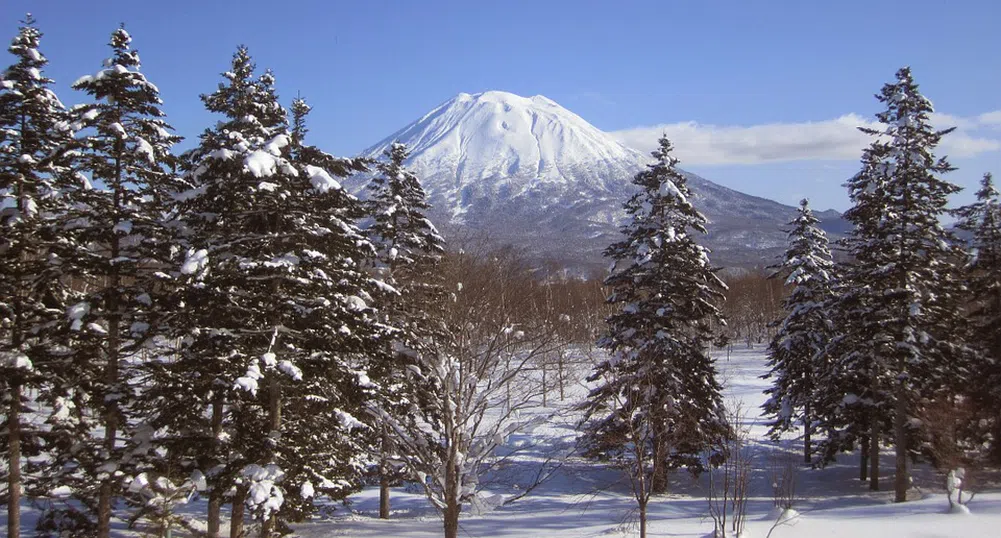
[236, 520]
[215, 507]
[658, 472]
[384, 476]
[14, 471]
[902, 479]
[383, 496]
[507, 385]
[559, 365]
[545, 387]
[274, 427]
[110, 419]
[104, 510]
[110, 424]
[806, 433]
[658, 478]
[642, 520]
[451, 520]
[215, 495]
[268, 526]
[864, 468]
[874, 453]
[111, 369]
[452, 506]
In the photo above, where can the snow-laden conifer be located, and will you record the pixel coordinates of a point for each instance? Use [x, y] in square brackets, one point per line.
[657, 404]
[35, 139]
[408, 252]
[269, 381]
[796, 351]
[116, 244]
[983, 281]
[902, 337]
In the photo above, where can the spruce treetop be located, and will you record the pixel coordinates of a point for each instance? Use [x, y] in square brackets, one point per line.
[809, 254]
[398, 204]
[34, 131]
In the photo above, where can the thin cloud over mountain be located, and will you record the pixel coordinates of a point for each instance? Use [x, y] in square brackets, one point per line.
[835, 139]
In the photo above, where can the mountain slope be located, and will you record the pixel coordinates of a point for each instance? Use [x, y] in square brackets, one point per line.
[531, 173]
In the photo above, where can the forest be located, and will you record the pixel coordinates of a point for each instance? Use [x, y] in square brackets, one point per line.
[229, 324]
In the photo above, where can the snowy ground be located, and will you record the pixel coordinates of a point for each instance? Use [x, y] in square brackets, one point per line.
[586, 499]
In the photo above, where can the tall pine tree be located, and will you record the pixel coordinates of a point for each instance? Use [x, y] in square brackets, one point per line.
[325, 451]
[796, 350]
[845, 413]
[34, 140]
[657, 394]
[904, 275]
[277, 313]
[983, 277]
[116, 244]
[408, 251]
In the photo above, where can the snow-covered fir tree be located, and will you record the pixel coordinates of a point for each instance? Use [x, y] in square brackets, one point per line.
[904, 278]
[191, 400]
[263, 393]
[838, 417]
[329, 453]
[983, 277]
[408, 252]
[795, 352]
[35, 139]
[116, 242]
[657, 392]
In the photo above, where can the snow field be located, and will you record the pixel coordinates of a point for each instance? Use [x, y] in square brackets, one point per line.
[585, 499]
[588, 499]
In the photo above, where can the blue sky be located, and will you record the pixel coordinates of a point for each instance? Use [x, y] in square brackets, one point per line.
[759, 96]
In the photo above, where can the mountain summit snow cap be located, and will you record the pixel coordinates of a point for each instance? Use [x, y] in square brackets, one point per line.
[494, 136]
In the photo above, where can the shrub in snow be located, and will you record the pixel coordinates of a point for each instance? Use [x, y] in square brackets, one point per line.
[954, 489]
[478, 379]
[160, 498]
[730, 480]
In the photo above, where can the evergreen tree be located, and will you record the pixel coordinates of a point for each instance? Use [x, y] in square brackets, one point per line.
[797, 348]
[326, 450]
[34, 139]
[844, 413]
[983, 277]
[116, 242]
[657, 393]
[192, 397]
[409, 249]
[903, 275]
[277, 313]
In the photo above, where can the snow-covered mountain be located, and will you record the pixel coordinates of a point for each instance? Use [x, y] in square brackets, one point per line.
[534, 174]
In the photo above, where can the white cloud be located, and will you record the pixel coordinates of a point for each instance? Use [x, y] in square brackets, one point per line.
[836, 139]
[990, 118]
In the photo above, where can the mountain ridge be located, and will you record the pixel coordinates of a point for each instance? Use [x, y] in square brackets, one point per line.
[533, 174]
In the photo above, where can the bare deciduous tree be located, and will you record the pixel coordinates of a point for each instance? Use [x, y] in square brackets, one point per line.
[730, 481]
[482, 376]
